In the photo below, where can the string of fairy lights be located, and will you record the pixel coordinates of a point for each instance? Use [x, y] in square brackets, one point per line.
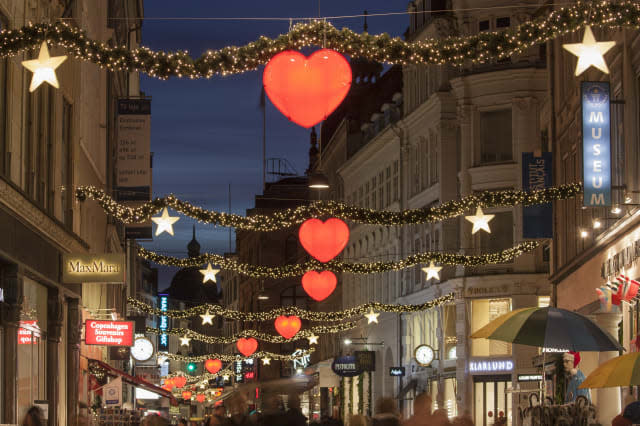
[291, 217]
[457, 50]
[211, 309]
[228, 357]
[294, 270]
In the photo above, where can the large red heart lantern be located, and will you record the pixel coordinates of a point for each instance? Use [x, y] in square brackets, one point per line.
[200, 398]
[247, 346]
[186, 395]
[324, 240]
[179, 381]
[319, 286]
[307, 90]
[213, 365]
[169, 383]
[288, 326]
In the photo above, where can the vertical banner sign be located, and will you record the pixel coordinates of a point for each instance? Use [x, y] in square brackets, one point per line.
[596, 143]
[537, 174]
[163, 339]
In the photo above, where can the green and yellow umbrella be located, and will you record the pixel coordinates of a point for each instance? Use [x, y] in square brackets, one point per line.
[619, 371]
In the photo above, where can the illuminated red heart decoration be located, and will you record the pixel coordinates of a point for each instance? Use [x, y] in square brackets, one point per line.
[324, 240]
[167, 387]
[200, 398]
[169, 383]
[288, 326]
[186, 395]
[307, 90]
[247, 346]
[180, 381]
[319, 286]
[213, 365]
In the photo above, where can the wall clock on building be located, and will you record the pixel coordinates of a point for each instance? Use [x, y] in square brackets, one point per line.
[142, 349]
[424, 355]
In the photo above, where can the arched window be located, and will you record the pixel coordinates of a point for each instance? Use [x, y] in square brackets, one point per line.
[294, 296]
[291, 249]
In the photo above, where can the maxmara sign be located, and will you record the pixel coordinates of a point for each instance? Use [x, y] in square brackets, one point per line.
[93, 268]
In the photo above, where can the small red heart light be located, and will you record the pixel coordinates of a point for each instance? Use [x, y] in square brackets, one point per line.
[324, 240]
[307, 90]
[180, 381]
[247, 346]
[319, 286]
[288, 326]
[200, 398]
[167, 387]
[186, 395]
[169, 383]
[213, 365]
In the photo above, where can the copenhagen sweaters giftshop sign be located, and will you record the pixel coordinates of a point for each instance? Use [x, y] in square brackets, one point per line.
[93, 268]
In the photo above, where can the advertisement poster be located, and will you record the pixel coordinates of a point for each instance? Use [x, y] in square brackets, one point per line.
[537, 174]
[113, 392]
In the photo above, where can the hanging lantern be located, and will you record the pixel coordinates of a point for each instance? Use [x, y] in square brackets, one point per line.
[200, 398]
[213, 365]
[319, 285]
[186, 395]
[324, 240]
[247, 346]
[179, 381]
[288, 326]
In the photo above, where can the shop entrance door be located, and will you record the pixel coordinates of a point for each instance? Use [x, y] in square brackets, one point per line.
[491, 399]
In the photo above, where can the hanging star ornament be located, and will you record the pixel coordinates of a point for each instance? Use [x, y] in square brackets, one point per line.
[313, 339]
[480, 221]
[225, 377]
[432, 271]
[209, 274]
[207, 318]
[184, 341]
[590, 52]
[266, 361]
[44, 68]
[372, 317]
[165, 222]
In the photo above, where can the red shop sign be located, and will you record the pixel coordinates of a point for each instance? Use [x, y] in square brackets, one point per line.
[109, 333]
[27, 332]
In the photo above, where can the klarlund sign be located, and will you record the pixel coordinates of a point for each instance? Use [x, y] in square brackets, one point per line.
[109, 333]
[93, 268]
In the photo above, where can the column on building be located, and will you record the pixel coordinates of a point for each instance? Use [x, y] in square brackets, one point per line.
[465, 386]
[12, 287]
[55, 311]
[608, 399]
[73, 359]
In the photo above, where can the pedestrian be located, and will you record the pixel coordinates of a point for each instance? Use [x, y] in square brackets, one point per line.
[463, 420]
[272, 414]
[294, 416]
[358, 420]
[219, 417]
[238, 411]
[182, 422]
[34, 417]
[386, 413]
[440, 417]
[421, 411]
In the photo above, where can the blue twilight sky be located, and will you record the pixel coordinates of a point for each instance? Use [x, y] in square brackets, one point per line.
[207, 134]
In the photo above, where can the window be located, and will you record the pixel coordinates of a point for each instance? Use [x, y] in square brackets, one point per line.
[4, 158]
[66, 156]
[483, 311]
[501, 236]
[483, 25]
[291, 249]
[503, 22]
[495, 137]
[395, 180]
[294, 296]
[433, 161]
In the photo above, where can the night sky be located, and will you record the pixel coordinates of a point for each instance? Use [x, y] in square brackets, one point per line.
[207, 134]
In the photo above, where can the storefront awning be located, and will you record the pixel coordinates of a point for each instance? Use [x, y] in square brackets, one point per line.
[413, 383]
[135, 381]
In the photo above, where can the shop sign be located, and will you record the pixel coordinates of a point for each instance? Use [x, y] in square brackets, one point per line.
[134, 147]
[396, 371]
[366, 360]
[113, 392]
[249, 375]
[536, 175]
[529, 377]
[109, 333]
[486, 291]
[163, 338]
[27, 332]
[345, 366]
[239, 371]
[93, 268]
[596, 143]
[490, 365]
[301, 361]
[554, 350]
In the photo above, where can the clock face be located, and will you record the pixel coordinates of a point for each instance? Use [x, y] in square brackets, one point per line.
[424, 355]
[142, 349]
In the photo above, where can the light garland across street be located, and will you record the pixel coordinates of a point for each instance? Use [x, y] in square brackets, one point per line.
[304, 334]
[288, 310]
[477, 48]
[196, 379]
[230, 357]
[293, 217]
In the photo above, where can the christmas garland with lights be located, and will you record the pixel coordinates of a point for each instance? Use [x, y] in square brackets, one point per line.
[303, 334]
[478, 48]
[229, 358]
[199, 378]
[276, 272]
[292, 217]
[287, 310]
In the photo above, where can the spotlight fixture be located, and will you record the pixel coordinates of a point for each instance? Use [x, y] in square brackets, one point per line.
[627, 199]
[584, 234]
[318, 181]
[616, 209]
[347, 341]
[597, 224]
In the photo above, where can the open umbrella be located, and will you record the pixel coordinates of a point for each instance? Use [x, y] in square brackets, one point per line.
[619, 371]
[551, 328]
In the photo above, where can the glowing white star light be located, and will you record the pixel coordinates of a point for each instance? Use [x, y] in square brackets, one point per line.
[313, 339]
[209, 274]
[480, 221]
[184, 341]
[432, 271]
[44, 68]
[372, 317]
[266, 361]
[207, 318]
[590, 52]
[165, 222]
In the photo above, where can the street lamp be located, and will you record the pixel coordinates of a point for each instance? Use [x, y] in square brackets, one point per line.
[361, 341]
[318, 181]
[347, 341]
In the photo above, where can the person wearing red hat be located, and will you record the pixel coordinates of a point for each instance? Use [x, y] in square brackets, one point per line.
[575, 377]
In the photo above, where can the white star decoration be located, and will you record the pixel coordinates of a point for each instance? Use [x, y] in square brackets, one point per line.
[209, 274]
[184, 341]
[313, 339]
[165, 222]
[44, 68]
[590, 52]
[207, 318]
[480, 221]
[225, 377]
[372, 317]
[432, 271]
[266, 361]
